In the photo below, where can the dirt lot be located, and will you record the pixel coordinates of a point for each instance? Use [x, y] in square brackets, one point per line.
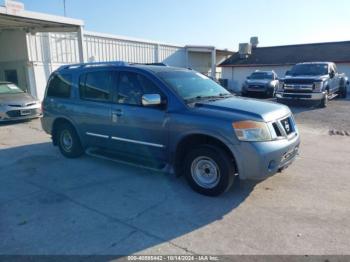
[53, 205]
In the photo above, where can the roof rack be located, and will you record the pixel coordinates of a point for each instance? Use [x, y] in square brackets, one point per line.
[150, 64]
[92, 64]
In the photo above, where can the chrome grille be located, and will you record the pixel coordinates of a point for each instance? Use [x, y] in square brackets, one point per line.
[284, 127]
[287, 125]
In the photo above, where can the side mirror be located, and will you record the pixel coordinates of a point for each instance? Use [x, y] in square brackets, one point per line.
[151, 100]
[248, 77]
[288, 73]
[331, 74]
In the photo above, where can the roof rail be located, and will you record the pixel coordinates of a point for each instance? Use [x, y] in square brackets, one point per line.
[110, 63]
[153, 64]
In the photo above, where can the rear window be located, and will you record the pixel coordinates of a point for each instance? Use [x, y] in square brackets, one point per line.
[60, 86]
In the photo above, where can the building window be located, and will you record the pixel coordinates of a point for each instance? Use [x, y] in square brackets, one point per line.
[60, 86]
[96, 86]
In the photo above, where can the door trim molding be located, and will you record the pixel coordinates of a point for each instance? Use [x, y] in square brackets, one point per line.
[137, 142]
[97, 135]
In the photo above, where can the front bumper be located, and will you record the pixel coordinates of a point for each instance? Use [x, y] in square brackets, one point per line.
[300, 96]
[9, 113]
[259, 160]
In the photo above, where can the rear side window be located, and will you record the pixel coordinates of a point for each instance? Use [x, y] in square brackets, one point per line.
[96, 86]
[60, 86]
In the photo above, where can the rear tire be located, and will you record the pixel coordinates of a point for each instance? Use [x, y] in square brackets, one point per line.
[343, 91]
[209, 170]
[68, 141]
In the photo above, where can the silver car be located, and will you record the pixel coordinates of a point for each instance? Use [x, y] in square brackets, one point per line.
[263, 82]
[15, 104]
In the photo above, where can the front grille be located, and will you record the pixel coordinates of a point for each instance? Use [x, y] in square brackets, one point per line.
[20, 113]
[277, 130]
[256, 86]
[283, 127]
[298, 81]
[287, 125]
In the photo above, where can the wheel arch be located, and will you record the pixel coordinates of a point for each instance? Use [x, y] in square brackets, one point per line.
[56, 123]
[191, 140]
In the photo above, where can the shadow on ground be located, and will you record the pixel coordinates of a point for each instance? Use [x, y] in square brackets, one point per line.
[53, 205]
[10, 123]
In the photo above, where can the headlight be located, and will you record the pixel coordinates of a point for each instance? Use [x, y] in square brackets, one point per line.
[252, 131]
[318, 86]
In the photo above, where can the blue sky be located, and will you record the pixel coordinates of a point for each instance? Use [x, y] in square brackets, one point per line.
[223, 23]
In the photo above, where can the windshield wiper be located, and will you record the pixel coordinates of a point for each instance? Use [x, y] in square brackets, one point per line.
[199, 98]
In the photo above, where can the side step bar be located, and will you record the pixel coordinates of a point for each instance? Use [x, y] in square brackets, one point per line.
[129, 160]
[332, 96]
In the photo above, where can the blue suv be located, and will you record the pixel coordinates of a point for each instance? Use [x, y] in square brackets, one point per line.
[169, 119]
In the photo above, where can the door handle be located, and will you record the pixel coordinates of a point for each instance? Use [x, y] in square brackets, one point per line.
[117, 112]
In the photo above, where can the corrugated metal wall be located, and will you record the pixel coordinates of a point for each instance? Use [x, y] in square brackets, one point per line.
[99, 48]
[53, 48]
[48, 51]
[62, 48]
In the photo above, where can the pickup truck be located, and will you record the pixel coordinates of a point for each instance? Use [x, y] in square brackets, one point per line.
[319, 81]
[169, 119]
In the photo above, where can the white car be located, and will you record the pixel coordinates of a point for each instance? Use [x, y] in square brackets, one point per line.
[15, 104]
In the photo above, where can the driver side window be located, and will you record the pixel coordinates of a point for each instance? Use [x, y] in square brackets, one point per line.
[131, 87]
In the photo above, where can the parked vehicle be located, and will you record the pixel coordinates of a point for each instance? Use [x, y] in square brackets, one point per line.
[15, 104]
[263, 82]
[164, 118]
[318, 81]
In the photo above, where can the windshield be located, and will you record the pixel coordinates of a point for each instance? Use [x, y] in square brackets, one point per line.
[193, 85]
[8, 88]
[261, 75]
[309, 69]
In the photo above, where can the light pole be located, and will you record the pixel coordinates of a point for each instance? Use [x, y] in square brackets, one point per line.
[64, 7]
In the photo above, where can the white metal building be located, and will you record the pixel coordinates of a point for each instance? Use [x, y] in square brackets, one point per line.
[32, 45]
[281, 58]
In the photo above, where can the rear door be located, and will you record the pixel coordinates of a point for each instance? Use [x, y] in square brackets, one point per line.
[136, 129]
[93, 114]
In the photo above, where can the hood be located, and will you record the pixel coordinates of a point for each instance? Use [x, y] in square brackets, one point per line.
[247, 108]
[258, 81]
[16, 99]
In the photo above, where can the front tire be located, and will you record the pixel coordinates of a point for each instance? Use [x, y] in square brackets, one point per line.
[209, 170]
[324, 101]
[271, 93]
[68, 141]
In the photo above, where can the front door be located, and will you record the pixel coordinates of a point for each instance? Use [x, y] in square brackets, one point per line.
[136, 129]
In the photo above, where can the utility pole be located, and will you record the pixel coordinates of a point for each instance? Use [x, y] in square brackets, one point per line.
[64, 8]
